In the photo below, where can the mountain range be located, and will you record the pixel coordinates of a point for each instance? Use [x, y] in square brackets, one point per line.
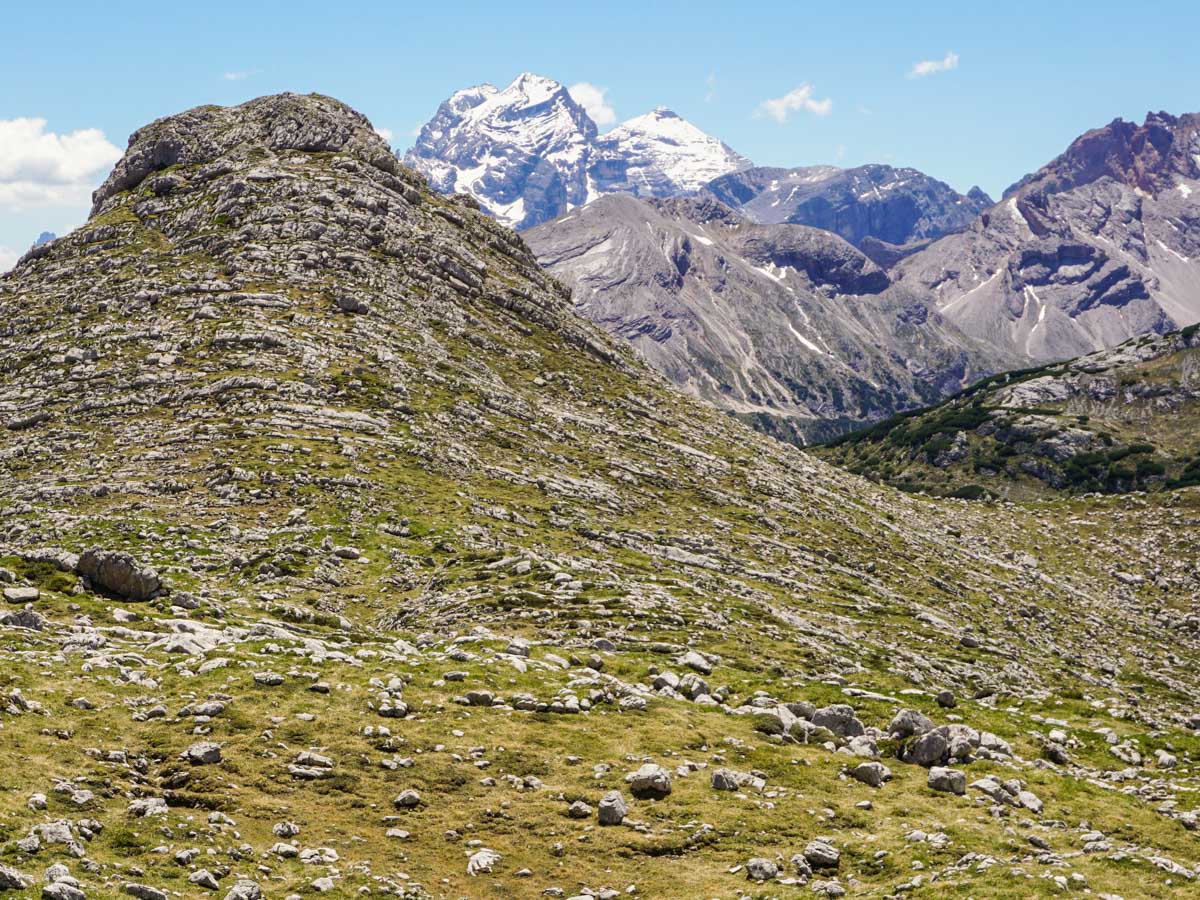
[885, 212]
[340, 555]
[1098, 246]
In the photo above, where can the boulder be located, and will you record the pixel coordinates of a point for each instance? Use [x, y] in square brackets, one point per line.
[928, 750]
[761, 869]
[822, 855]
[118, 573]
[909, 723]
[950, 781]
[649, 782]
[612, 808]
[12, 880]
[840, 719]
[205, 753]
[871, 773]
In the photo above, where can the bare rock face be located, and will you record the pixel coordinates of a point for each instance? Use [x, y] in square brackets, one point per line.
[1100, 245]
[119, 573]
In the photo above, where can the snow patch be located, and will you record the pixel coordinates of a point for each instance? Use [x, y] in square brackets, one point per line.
[960, 300]
[802, 339]
[1178, 256]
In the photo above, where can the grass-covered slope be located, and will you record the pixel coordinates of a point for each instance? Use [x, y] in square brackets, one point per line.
[1115, 421]
[339, 556]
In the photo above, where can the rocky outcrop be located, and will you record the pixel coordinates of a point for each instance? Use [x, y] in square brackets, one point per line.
[118, 573]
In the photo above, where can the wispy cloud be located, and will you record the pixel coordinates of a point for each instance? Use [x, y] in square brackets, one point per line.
[711, 84]
[386, 134]
[594, 100]
[797, 100]
[39, 168]
[8, 259]
[240, 76]
[934, 66]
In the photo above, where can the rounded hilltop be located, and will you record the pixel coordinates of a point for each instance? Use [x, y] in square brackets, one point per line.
[278, 122]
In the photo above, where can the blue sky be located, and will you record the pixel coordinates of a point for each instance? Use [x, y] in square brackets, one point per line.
[1013, 83]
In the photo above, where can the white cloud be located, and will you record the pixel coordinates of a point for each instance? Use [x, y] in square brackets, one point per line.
[934, 66]
[39, 168]
[594, 102]
[385, 133]
[8, 259]
[711, 84]
[797, 100]
[240, 76]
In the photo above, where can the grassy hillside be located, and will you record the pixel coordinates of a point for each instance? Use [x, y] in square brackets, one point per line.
[1113, 422]
[417, 565]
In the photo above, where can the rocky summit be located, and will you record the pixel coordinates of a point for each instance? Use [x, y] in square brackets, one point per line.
[339, 555]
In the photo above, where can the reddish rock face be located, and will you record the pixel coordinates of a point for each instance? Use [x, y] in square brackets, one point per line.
[1145, 156]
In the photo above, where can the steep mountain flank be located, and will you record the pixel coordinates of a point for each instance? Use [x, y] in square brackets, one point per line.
[787, 327]
[338, 555]
[1098, 246]
[1114, 421]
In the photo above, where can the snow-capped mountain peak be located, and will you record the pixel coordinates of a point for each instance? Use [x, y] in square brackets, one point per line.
[665, 154]
[530, 152]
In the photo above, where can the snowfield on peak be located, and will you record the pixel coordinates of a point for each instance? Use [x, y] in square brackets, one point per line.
[530, 152]
[664, 154]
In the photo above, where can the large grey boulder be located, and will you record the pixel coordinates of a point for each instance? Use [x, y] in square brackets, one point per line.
[822, 855]
[119, 573]
[649, 782]
[204, 753]
[871, 773]
[612, 808]
[245, 889]
[761, 869]
[909, 722]
[840, 719]
[927, 750]
[13, 880]
[950, 781]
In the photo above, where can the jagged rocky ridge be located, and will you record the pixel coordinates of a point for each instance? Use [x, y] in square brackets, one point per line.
[1100, 245]
[1116, 421]
[787, 327]
[530, 152]
[439, 577]
[886, 212]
